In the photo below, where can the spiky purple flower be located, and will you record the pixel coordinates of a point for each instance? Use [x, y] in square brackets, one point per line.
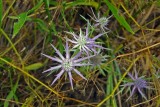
[84, 43]
[100, 21]
[138, 83]
[66, 64]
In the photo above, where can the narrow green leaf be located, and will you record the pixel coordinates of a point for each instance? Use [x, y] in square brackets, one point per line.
[34, 66]
[22, 19]
[39, 4]
[119, 18]
[1, 12]
[82, 2]
[12, 17]
[46, 3]
[53, 3]
[7, 59]
[118, 48]
[18, 25]
[41, 25]
[158, 3]
[11, 94]
[60, 45]
[52, 25]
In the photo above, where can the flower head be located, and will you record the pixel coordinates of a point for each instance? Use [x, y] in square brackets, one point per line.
[84, 43]
[98, 60]
[100, 21]
[138, 83]
[66, 64]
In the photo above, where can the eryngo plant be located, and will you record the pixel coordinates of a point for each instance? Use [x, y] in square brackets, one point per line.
[138, 83]
[66, 64]
[97, 60]
[81, 43]
[101, 22]
[84, 43]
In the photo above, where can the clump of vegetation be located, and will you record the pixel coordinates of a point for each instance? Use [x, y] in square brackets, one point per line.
[79, 53]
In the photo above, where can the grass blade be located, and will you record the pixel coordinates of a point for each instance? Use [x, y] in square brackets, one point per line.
[119, 18]
[37, 6]
[18, 25]
[34, 66]
[81, 3]
[1, 12]
[22, 19]
[11, 94]
[41, 25]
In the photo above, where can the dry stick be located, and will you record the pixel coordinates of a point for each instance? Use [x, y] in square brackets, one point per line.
[147, 15]
[130, 16]
[135, 52]
[146, 101]
[140, 27]
[146, 41]
[29, 53]
[156, 30]
[158, 17]
[12, 101]
[12, 45]
[118, 95]
[8, 9]
[27, 74]
[8, 49]
[141, 50]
